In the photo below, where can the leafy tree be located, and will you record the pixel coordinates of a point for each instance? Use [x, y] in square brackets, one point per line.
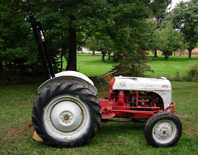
[131, 43]
[101, 43]
[122, 27]
[169, 40]
[125, 33]
[185, 18]
[159, 9]
[14, 36]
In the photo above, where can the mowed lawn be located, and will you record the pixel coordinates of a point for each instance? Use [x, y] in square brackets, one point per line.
[121, 138]
[114, 138]
[173, 67]
[93, 66]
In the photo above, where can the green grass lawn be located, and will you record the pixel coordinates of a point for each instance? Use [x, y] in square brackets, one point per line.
[113, 138]
[172, 67]
[93, 66]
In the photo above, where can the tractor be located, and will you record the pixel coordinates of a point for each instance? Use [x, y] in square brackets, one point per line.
[67, 112]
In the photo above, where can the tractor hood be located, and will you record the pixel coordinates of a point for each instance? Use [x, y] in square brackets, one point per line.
[139, 83]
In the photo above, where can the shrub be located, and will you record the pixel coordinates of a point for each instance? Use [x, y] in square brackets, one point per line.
[177, 77]
[132, 65]
[192, 74]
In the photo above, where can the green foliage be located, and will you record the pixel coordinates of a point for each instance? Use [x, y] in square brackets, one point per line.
[185, 19]
[169, 40]
[11, 54]
[16, 45]
[159, 8]
[100, 43]
[116, 26]
[131, 65]
[192, 73]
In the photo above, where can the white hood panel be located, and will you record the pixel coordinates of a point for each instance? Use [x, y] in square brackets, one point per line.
[144, 84]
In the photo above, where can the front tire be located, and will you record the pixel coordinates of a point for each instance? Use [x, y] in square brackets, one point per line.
[66, 113]
[163, 130]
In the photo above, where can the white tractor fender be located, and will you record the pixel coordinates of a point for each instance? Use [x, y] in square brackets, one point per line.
[68, 74]
[75, 74]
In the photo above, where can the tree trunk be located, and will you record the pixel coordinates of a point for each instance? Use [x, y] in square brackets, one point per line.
[1, 65]
[103, 55]
[155, 53]
[93, 52]
[190, 53]
[72, 58]
[166, 55]
[115, 57]
[109, 56]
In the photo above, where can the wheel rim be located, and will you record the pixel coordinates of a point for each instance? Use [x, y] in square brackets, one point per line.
[66, 118]
[164, 131]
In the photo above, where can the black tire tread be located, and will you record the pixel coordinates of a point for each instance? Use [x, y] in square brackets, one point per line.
[150, 123]
[71, 87]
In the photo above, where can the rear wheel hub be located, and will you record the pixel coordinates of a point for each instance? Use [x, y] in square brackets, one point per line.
[66, 116]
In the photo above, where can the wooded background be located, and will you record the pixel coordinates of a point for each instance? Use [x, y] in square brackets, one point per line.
[126, 30]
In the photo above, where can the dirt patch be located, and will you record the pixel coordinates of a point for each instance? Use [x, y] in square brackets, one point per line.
[191, 131]
[190, 128]
[24, 104]
[14, 133]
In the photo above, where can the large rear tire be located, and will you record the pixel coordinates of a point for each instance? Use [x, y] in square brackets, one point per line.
[66, 113]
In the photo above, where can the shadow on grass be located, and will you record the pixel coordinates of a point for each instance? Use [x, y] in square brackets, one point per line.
[112, 131]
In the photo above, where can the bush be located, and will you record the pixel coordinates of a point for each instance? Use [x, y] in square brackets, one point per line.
[177, 77]
[132, 65]
[192, 74]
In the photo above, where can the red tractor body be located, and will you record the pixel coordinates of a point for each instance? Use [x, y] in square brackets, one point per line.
[135, 104]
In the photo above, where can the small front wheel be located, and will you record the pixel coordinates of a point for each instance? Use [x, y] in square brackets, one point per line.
[163, 130]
